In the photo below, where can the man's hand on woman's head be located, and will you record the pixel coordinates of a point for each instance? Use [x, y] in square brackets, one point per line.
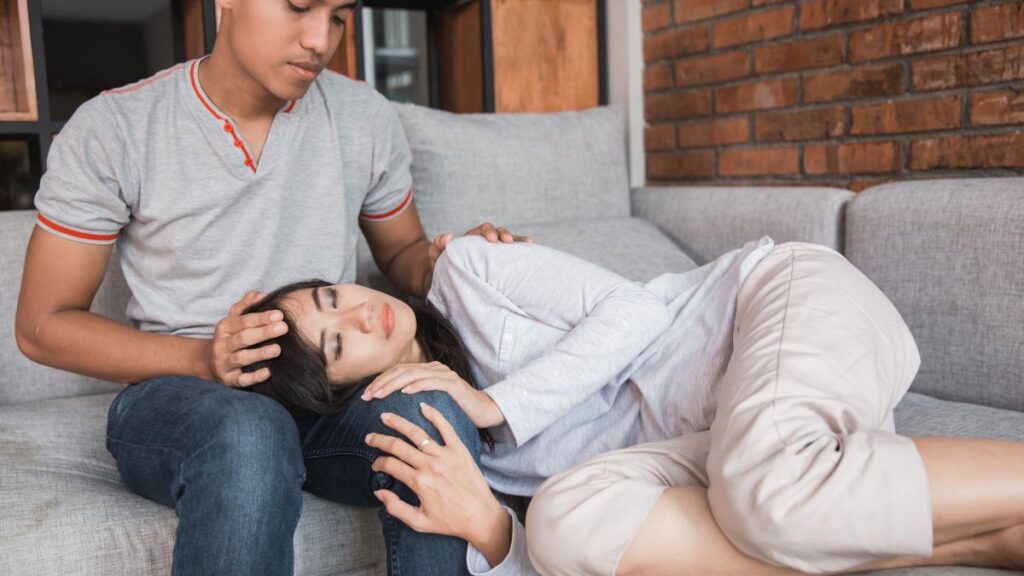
[228, 351]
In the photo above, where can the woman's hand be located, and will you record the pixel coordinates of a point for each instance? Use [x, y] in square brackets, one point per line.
[454, 497]
[413, 378]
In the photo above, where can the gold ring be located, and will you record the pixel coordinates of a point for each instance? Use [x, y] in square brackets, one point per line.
[424, 443]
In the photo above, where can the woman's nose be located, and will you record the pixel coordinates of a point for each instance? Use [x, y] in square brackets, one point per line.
[358, 317]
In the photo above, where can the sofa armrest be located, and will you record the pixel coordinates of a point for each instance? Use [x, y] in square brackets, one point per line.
[707, 222]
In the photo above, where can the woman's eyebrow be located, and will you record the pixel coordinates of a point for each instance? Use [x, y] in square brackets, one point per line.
[316, 299]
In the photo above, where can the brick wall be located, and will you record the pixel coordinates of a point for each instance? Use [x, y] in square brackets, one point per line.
[847, 93]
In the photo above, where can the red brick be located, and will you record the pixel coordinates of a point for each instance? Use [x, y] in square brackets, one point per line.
[753, 27]
[906, 116]
[999, 151]
[862, 184]
[801, 55]
[694, 10]
[660, 137]
[819, 124]
[656, 17]
[681, 165]
[1004, 107]
[714, 133]
[758, 162]
[711, 69]
[657, 76]
[874, 82]
[921, 35]
[675, 43]
[867, 158]
[926, 4]
[999, 22]
[988, 67]
[678, 105]
[769, 94]
[822, 13]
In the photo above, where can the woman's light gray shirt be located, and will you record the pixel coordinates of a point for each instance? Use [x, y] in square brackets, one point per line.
[580, 360]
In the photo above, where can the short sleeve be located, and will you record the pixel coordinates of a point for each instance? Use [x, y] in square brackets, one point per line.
[391, 180]
[81, 194]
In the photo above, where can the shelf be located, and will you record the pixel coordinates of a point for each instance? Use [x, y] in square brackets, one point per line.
[17, 75]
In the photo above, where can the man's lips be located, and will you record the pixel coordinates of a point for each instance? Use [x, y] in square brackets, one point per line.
[306, 70]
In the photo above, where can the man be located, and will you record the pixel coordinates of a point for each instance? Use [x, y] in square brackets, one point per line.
[247, 169]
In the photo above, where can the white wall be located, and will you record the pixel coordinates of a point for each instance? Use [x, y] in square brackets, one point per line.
[626, 78]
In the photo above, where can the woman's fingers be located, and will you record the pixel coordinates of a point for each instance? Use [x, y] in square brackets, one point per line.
[396, 447]
[399, 376]
[448, 434]
[412, 517]
[414, 433]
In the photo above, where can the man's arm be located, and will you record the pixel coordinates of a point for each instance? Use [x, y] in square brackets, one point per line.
[405, 256]
[54, 327]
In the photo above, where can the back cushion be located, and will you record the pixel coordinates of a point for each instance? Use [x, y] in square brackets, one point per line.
[22, 380]
[950, 256]
[516, 168]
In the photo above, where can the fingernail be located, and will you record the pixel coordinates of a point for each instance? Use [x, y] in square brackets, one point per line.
[280, 328]
[369, 437]
[378, 494]
[406, 391]
[276, 316]
[423, 406]
[385, 416]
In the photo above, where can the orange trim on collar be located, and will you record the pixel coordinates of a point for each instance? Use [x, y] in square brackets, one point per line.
[83, 235]
[389, 213]
[227, 123]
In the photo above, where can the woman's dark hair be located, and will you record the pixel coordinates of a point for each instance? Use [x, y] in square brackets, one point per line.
[298, 376]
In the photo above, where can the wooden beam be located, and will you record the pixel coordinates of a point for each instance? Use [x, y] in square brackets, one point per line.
[17, 73]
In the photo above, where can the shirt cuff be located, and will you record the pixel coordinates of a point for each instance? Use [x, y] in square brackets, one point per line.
[477, 562]
[388, 215]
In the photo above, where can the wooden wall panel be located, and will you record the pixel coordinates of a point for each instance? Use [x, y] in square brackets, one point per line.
[460, 59]
[192, 19]
[344, 59]
[545, 55]
[17, 74]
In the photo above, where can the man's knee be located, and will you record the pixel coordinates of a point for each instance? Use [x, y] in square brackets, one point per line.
[408, 407]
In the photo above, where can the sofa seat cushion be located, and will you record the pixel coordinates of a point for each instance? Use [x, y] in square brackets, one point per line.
[65, 510]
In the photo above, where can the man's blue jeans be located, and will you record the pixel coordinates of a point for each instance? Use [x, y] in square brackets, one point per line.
[233, 464]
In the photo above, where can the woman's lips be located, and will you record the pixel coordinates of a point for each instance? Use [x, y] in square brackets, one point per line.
[387, 319]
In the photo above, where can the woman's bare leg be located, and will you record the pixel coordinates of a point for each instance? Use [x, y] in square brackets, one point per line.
[977, 493]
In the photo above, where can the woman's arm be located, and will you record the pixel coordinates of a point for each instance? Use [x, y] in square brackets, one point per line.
[454, 497]
[610, 321]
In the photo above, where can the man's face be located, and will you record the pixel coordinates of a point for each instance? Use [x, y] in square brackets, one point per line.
[284, 44]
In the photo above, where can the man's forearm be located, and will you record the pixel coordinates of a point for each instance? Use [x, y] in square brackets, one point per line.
[410, 270]
[89, 344]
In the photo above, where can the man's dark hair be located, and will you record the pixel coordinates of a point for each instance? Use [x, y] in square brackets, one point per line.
[298, 376]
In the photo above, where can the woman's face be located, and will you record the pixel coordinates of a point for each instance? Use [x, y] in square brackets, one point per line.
[358, 330]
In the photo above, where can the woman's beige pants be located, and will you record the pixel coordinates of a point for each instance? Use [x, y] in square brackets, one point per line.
[802, 465]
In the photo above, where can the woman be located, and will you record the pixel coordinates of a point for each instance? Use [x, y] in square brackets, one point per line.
[739, 416]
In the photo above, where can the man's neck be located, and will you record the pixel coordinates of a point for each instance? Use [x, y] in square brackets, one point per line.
[234, 92]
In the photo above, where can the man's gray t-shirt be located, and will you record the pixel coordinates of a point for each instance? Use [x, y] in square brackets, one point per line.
[157, 168]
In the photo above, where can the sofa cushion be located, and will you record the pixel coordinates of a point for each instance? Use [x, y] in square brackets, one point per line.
[950, 256]
[923, 415]
[65, 510]
[22, 380]
[516, 168]
[631, 247]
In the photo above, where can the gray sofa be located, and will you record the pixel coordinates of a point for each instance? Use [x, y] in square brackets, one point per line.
[950, 255]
